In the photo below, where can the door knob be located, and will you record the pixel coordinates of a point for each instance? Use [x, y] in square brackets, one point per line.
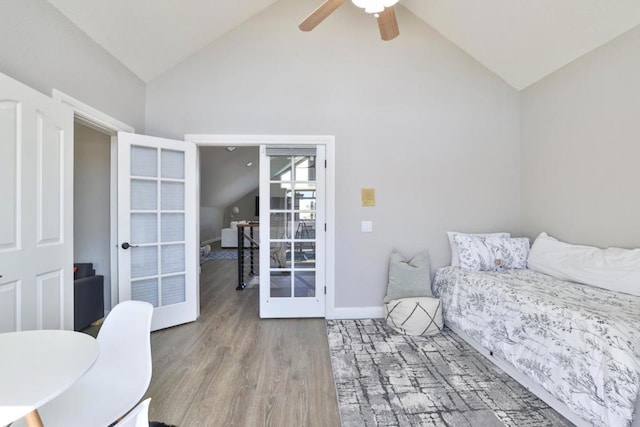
[126, 245]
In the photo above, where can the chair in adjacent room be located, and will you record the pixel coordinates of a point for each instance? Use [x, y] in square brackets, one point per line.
[119, 378]
[88, 295]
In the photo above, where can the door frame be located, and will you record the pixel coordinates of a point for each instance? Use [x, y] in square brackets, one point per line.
[216, 140]
[102, 122]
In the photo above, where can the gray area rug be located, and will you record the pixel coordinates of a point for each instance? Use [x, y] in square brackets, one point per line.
[387, 379]
[223, 254]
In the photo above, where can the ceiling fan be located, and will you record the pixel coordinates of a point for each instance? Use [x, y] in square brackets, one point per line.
[381, 9]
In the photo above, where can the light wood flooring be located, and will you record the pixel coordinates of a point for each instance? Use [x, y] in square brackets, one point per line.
[230, 368]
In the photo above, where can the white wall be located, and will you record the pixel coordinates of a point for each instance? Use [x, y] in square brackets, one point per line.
[433, 131]
[246, 205]
[581, 149]
[224, 179]
[41, 48]
[211, 222]
[91, 194]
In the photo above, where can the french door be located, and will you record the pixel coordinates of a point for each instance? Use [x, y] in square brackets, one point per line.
[157, 253]
[36, 210]
[292, 231]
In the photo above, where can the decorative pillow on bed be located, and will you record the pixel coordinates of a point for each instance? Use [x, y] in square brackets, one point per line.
[474, 253]
[512, 253]
[615, 269]
[455, 257]
[414, 316]
[408, 278]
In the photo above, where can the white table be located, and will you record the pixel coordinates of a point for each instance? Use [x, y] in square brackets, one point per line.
[36, 366]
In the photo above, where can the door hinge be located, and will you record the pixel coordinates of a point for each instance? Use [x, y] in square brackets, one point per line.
[325, 226]
[325, 164]
[325, 290]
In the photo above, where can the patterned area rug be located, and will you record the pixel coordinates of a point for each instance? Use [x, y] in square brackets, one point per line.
[227, 254]
[223, 254]
[387, 379]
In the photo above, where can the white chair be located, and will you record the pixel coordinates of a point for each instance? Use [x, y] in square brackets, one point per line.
[138, 417]
[119, 378]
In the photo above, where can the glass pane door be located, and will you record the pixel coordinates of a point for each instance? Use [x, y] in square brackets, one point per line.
[294, 287]
[157, 225]
[158, 249]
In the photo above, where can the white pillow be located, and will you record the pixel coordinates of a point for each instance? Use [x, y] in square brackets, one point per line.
[414, 316]
[455, 259]
[512, 253]
[473, 253]
[613, 268]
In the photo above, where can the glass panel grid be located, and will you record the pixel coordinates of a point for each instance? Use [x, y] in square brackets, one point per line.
[281, 167]
[280, 284]
[173, 290]
[172, 196]
[144, 161]
[293, 226]
[144, 261]
[173, 258]
[145, 290]
[280, 253]
[280, 227]
[172, 227]
[144, 228]
[144, 195]
[304, 254]
[172, 164]
[304, 284]
[305, 168]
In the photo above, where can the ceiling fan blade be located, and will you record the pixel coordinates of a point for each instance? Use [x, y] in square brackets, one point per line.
[388, 24]
[320, 14]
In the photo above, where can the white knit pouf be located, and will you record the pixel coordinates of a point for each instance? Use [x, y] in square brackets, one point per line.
[414, 316]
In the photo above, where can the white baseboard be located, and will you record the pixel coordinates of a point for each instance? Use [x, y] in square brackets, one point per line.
[208, 242]
[356, 313]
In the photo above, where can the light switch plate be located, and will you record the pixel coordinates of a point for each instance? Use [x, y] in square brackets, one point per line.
[366, 226]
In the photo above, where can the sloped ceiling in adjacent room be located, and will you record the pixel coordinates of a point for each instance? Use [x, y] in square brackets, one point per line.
[225, 176]
[522, 41]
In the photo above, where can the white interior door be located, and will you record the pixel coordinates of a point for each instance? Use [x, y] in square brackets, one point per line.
[157, 254]
[36, 210]
[292, 231]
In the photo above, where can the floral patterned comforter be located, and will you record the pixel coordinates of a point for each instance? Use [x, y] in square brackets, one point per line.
[581, 343]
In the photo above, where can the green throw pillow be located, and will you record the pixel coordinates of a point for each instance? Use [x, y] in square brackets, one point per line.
[408, 278]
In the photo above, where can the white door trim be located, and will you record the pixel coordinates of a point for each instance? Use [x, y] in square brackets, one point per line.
[212, 140]
[90, 116]
[104, 123]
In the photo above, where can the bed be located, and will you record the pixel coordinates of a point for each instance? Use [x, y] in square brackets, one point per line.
[575, 346]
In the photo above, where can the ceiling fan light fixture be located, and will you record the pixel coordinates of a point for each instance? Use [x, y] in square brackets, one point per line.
[382, 10]
[374, 6]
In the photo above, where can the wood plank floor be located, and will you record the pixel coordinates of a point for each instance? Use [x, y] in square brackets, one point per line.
[230, 368]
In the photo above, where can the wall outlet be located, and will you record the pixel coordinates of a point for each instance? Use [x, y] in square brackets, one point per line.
[366, 226]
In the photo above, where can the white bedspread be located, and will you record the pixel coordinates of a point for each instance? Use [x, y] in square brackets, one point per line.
[581, 343]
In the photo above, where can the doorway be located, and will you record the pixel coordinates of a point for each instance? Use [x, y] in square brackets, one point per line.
[99, 123]
[327, 289]
[92, 219]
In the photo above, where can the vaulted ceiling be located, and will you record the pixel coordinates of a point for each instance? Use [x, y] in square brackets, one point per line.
[521, 41]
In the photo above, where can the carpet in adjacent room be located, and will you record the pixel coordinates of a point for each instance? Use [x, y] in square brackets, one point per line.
[387, 379]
